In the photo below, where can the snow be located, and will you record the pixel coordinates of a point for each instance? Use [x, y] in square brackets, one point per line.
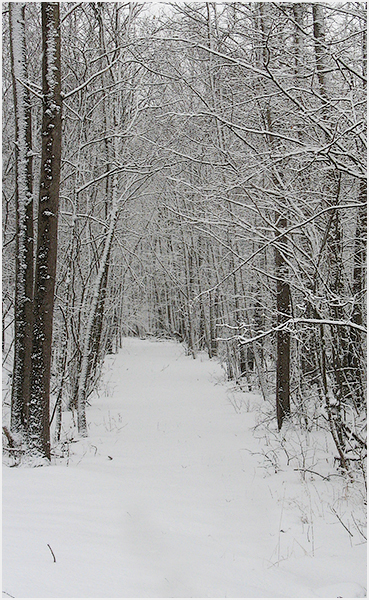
[173, 495]
[51, 53]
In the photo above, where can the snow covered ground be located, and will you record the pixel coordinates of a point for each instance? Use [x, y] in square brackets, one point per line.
[174, 495]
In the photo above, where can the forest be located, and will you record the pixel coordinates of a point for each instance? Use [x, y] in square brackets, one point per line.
[188, 171]
[184, 299]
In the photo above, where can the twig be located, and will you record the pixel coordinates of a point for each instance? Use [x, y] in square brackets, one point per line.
[10, 596]
[82, 457]
[314, 473]
[342, 523]
[51, 550]
[358, 528]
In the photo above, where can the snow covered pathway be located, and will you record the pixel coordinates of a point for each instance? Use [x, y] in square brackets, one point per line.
[164, 499]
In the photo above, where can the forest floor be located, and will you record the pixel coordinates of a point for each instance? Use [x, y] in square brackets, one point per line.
[175, 493]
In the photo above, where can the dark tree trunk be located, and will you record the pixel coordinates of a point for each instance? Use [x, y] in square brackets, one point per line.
[39, 428]
[320, 47]
[283, 295]
[283, 336]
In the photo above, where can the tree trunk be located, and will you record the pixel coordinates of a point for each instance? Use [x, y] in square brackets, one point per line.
[46, 255]
[88, 338]
[283, 336]
[281, 270]
[24, 224]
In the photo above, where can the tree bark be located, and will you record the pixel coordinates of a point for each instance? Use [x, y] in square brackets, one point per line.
[283, 336]
[46, 255]
[23, 305]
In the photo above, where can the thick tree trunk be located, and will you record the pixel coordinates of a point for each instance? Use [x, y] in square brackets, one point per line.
[46, 255]
[24, 224]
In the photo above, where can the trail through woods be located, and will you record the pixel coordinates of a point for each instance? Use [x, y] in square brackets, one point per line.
[172, 495]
